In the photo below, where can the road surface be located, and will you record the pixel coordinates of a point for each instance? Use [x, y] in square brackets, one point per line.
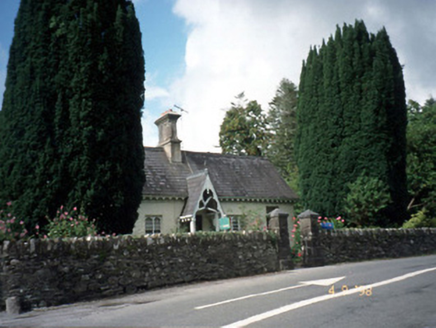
[384, 293]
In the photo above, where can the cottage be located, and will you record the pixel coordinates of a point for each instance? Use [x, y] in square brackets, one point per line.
[191, 191]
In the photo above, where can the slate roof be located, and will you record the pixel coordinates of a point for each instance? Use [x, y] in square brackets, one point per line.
[233, 177]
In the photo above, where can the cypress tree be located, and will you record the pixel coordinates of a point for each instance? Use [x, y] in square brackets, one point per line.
[351, 122]
[81, 111]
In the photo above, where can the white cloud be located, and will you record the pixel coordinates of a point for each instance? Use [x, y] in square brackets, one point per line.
[149, 134]
[154, 92]
[250, 45]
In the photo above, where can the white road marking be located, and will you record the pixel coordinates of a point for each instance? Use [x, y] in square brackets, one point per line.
[322, 282]
[297, 305]
[248, 296]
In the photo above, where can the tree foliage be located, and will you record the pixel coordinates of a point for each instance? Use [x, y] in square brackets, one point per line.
[70, 121]
[421, 157]
[283, 125]
[367, 196]
[244, 130]
[351, 119]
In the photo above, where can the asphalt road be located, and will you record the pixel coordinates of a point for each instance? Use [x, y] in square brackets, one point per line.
[386, 293]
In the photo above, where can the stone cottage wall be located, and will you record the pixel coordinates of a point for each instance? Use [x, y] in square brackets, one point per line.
[52, 272]
[365, 244]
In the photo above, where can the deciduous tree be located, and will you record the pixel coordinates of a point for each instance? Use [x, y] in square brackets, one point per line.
[244, 130]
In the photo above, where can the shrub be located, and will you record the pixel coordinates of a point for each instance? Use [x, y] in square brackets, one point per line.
[296, 240]
[11, 228]
[70, 224]
[367, 196]
[338, 223]
[420, 220]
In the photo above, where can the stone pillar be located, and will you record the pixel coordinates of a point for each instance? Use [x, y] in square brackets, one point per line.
[13, 305]
[309, 230]
[284, 247]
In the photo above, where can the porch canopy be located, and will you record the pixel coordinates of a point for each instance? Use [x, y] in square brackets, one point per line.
[202, 201]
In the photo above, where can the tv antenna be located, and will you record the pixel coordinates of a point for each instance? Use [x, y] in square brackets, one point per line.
[181, 109]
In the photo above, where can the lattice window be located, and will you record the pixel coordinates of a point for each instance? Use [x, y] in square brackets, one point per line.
[152, 224]
[235, 222]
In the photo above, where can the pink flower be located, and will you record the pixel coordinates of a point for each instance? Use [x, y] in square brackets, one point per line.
[299, 254]
[21, 222]
[45, 236]
[325, 218]
[338, 218]
[71, 218]
[72, 224]
[342, 220]
[9, 203]
[75, 209]
[37, 227]
[319, 218]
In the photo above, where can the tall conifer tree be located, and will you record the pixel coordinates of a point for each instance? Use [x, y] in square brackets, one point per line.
[282, 120]
[70, 122]
[351, 121]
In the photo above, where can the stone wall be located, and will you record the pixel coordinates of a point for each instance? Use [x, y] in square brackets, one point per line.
[47, 272]
[365, 244]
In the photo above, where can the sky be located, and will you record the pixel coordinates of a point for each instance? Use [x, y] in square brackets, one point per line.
[200, 54]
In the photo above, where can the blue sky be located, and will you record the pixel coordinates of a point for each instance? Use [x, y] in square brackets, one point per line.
[201, 53]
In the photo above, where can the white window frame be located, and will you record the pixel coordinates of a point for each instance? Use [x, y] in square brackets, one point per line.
[234, 218]
[156, 224]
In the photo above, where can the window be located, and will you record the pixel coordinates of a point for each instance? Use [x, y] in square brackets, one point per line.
[235, 222]
[152, 224]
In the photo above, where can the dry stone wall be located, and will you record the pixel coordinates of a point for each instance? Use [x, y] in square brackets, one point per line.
[366, 244]
[51, 272]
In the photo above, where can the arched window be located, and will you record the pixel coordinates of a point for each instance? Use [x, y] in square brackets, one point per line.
[152, 224]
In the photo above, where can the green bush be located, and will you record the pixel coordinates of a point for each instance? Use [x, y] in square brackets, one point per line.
[296, 250]
[366, 197]
[420, 220]
[11, 228]
[70, 224]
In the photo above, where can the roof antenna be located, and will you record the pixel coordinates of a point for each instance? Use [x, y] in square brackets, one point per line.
[181, 109]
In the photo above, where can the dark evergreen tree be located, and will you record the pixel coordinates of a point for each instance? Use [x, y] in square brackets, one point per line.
[70, 122]
[351, 122]
[283, 124]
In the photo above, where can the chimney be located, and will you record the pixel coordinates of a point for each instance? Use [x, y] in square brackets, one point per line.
[168, 140]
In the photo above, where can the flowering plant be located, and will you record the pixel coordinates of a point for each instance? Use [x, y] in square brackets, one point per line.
[10, 227]
[70, 224]
[296, 240]
[326, 223]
